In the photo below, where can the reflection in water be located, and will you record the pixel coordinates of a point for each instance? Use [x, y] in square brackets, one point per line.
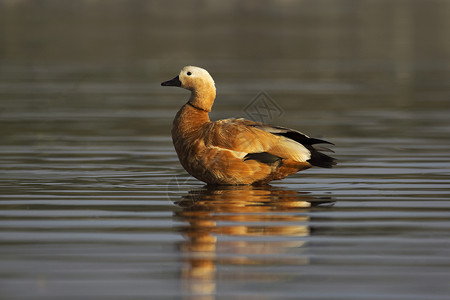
[241, 225]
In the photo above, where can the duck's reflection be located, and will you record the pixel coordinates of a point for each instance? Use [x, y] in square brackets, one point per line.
[241, 225]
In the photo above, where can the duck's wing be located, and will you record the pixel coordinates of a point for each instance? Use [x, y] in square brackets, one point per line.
[253, 140]
[317, 158]
[249, 140]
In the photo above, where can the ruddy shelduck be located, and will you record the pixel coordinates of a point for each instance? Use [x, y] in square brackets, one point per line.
[235, 151]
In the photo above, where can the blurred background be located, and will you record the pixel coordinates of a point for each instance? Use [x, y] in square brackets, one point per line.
[93, 200]
[330, 58]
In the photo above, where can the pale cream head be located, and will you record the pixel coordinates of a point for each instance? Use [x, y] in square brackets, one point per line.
[193, 78]
[200, 83]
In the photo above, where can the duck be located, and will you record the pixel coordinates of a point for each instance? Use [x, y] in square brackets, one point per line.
[236, 151]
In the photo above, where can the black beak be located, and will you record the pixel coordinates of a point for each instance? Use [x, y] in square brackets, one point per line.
[173, 82]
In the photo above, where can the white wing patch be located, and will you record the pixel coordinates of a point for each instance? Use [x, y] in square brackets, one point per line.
[291, 149]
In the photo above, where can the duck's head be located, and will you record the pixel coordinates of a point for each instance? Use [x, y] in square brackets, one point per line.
[199, 82]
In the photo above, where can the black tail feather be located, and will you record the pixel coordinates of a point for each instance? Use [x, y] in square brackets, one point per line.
[319, 159]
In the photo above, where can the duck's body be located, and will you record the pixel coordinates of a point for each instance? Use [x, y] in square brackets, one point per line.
[235, 151]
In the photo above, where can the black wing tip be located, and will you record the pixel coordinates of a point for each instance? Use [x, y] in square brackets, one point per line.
[293, 135]
[313, 141]
[302, 139]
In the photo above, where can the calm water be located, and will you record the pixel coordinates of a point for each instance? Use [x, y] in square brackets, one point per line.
[94, 203]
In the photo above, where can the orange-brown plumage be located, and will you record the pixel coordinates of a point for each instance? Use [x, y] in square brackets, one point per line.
[235, 151]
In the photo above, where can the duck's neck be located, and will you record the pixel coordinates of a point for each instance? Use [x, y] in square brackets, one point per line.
[193, 116]
[203, 97]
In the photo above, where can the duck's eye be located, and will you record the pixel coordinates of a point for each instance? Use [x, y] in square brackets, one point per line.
[189, 73]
